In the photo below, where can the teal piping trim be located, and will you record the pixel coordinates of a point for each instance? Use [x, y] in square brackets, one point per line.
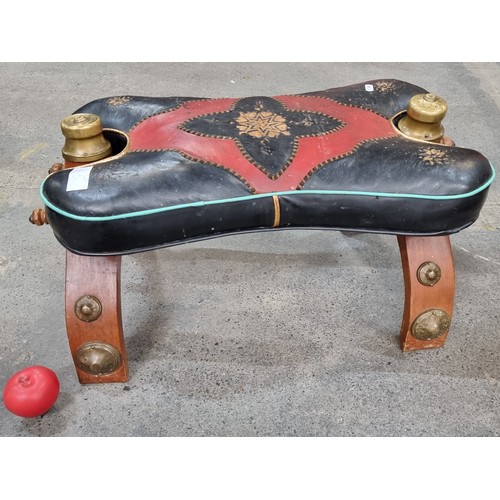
[152, 211]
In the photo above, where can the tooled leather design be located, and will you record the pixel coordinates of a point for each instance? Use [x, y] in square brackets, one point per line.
[400, 165]
[266, 134]
[125, 112]
[385, 97]
[271, 143]
[264, 129]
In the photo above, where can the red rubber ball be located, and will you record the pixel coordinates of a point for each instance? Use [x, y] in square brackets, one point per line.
[31, 392]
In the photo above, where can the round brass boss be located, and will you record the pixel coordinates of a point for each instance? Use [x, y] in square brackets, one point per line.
[85, 141]
[98, 358]
[88, 308]
[429, 273]
[431, 324]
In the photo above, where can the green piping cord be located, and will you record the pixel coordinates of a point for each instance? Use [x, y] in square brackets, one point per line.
[151, 211]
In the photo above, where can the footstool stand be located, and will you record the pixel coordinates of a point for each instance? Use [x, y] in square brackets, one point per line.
[142, 173]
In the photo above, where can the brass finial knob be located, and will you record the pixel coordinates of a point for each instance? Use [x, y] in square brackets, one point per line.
[423, 118]
[85, 141]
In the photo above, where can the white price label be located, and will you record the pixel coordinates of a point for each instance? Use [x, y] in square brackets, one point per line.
[369, 87]
[78, 179]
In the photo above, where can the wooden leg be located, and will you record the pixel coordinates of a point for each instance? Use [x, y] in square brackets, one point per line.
[93, 318]
[429, 278]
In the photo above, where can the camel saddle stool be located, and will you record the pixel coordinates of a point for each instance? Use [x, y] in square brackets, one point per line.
[141, 173]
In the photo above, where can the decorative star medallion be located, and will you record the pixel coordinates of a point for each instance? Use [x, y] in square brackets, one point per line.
[384, 87]
[433, 156]
[261, 124]
[272, 144]
[118, 101]
[264, 129]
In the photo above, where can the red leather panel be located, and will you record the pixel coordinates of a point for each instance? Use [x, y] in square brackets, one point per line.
[164, 132]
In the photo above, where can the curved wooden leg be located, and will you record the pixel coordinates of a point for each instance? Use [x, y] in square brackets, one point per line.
[93, 318]
[429, 278]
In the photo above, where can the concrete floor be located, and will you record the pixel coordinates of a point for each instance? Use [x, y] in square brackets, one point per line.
[284, 334]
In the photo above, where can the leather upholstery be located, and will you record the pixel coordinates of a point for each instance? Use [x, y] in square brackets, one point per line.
[189, 168]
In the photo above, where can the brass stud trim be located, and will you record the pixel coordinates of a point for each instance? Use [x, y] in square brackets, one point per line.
[431, 324]
[88, 308]
[429, 273]
[98, 358]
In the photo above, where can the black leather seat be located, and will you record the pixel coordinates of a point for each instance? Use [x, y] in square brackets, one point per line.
[191, 168]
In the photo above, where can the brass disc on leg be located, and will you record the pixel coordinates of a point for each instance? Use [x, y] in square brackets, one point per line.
[88, 308]
[98, 358]
[429, 273]
[431, 324]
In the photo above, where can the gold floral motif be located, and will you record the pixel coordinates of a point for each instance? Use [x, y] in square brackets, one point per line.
[384, 87]
[433, 156]
[261, 124]
[118, 101]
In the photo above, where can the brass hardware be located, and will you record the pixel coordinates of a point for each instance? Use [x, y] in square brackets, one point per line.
[85, 141]
[88, 308]
[429, 273]
[98, 358]
[38, 217]
[423, 118]
[431, 324]
[56, 167]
